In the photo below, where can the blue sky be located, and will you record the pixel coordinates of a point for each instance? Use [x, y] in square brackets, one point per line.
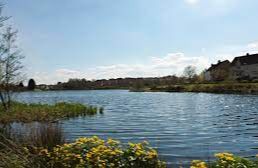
[96, 39]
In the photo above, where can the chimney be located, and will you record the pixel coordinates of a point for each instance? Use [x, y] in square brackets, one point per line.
[247, 54]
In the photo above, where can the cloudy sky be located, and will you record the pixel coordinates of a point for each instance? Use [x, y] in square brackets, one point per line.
[95, 39]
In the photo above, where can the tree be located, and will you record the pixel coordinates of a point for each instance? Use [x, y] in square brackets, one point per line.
[21, 85]
[10, 66]
[31, 84]
[190, 71]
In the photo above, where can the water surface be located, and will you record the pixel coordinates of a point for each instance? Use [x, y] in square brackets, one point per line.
[181, 126]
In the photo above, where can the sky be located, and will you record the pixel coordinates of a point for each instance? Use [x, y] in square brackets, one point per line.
[97, 39]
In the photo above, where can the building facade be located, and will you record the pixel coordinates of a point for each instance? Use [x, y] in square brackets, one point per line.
[244, 67]
[218, 72]
[241, 68]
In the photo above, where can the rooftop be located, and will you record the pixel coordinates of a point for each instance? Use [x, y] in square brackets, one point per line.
[248, 59]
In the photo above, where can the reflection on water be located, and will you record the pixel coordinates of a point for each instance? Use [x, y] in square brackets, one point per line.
[182, 126]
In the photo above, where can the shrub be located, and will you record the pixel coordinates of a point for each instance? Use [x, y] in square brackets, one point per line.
[226, 160]
[97, 153]
[255, 80]
[198, 164]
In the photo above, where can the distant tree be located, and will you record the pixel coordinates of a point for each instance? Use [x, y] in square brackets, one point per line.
[190, 72]
[31, 84]
[201, 76]
[10, 66]
[21, 84]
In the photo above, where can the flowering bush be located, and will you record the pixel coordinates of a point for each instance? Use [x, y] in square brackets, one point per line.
[198, 164]
[97, 153]
[94, 152]
[226, 160]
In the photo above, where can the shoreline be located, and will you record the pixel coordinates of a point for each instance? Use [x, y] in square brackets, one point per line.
[217, 88]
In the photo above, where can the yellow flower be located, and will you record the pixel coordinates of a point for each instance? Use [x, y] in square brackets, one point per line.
[152, 154]
[198, 164]
[225, 156]
[131, 144]
[112, 142]
[89, 155]
[43, 152]
[78, 156]
[96, 152]
[26, 149]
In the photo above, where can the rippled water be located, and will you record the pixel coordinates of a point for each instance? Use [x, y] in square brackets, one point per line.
[182, 126]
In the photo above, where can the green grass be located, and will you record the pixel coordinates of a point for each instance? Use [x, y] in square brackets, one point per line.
[239, 88]
[22, 112]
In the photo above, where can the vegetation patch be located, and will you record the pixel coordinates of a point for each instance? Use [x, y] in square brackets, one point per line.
[239, 88]
[226, 160]
[84, 152]
[93, 152]
[22, 112]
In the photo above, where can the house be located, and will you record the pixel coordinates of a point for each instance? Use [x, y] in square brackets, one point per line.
[244, 67]
[42, 87]
[218, 72]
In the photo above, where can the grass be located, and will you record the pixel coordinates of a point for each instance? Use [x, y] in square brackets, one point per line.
[239, 88]
[224, 88]
[45, 135]
[22, 112]
[19, 150]
[14, 155]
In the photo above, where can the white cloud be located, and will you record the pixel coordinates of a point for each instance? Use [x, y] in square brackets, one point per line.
[192, 2]
[253, 47]
[172, 63]
[67, 73]
[215, 3]
[56, 76]
[213, 7]
[177, 60]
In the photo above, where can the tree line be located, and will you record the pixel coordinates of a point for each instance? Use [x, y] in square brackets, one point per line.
[189, 76]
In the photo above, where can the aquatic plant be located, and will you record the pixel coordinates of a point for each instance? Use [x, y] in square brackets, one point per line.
[101, 110]
[46, 135]
[95, 152]
[226, 160]
[13, 155]
[22, 112]
[198, 164]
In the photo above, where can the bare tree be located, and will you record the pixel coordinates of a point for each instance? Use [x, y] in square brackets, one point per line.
[190, 72]
[10, 66]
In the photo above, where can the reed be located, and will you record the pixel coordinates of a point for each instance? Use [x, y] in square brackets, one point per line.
[22, 112]
[20, 150]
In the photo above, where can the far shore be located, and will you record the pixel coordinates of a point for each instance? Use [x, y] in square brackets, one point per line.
[219, 88]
